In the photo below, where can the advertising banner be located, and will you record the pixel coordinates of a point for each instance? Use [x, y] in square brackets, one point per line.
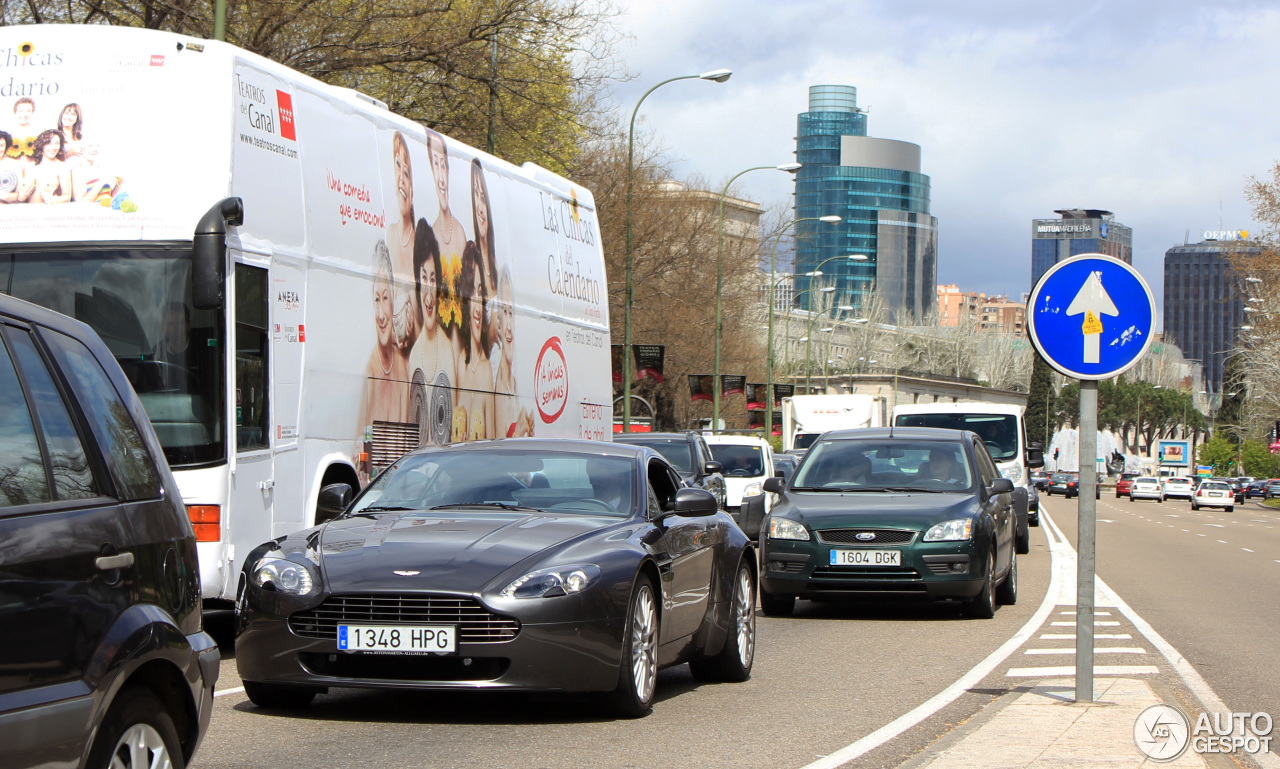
[1174, 453]
[756, 396]
[755, 419]
[731, 385]
[781, 391]
[700, 387]
[649, 360]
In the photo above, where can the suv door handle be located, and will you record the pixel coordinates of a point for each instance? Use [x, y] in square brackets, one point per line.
[113, 562]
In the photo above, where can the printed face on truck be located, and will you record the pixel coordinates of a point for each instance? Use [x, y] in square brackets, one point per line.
[480, 205]
[404, 175]
[439, 168]
[382, 307]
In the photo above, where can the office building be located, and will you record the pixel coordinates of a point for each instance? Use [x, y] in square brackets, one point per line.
[980, 312]
[1204, 301]
[1079, 231]
[875, 185]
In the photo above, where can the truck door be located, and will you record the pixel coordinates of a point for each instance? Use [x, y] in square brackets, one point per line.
[288, 337]
[253, 479]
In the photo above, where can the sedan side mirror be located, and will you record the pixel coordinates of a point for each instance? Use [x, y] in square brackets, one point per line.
[1002, 486]
[333, 501]
[694, 502]
[774, 484]
[711, 468]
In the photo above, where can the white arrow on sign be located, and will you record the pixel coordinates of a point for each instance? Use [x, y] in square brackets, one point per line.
[1092, 300]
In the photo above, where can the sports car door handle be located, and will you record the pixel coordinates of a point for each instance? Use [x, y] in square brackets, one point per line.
[113, 562]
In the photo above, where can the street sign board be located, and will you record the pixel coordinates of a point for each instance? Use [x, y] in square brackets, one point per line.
[1091, 316]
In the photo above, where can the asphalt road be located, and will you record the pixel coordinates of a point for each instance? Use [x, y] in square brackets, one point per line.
[1207, 581]
[823, 678]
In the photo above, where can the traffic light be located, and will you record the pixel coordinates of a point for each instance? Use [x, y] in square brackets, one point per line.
[1055, 455]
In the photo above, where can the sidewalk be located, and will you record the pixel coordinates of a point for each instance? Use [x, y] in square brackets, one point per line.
[1045, 727]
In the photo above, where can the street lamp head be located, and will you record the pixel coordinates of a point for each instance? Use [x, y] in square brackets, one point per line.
[790, 168]
[1254, 280]
[717, 75]
[830, 219]
[828, 329]
[1246, 328]
[813, 274]
[857, 257]
[845, 307]
[861, 320]
[803, 339]
[826, 290]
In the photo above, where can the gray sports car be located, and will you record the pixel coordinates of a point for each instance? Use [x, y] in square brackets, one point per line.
[525, 564]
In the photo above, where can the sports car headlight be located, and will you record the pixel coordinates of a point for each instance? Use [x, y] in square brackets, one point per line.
[281, 574]
[753, 489]
[950, 531]
[785, 528]
[1013, 473]
[548, 583]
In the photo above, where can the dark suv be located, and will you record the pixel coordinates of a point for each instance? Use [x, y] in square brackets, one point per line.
[104, 662]
[689, 454]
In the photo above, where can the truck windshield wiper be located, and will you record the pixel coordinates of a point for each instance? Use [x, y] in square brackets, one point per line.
[909, 489]
[502, 505]
[385, 509]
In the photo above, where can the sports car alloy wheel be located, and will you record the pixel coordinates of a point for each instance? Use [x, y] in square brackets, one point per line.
[733, 662]
[141, 747]
[744, 612]
[644, 644]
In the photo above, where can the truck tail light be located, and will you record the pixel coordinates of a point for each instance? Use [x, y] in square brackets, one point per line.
[207, 522]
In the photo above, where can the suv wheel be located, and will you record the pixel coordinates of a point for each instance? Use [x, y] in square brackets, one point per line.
[137, 733]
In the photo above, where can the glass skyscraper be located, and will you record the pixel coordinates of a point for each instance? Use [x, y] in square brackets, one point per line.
[1204, 301]
[1079, 231]
[876, 187]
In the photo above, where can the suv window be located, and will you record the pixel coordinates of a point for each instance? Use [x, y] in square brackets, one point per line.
[23, 480]
[127, 458]
[72, 476]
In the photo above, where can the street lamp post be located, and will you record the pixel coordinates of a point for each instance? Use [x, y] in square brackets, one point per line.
[787, 328]
[773, 282]
[717, 76]
[715, 396]
[815, 273]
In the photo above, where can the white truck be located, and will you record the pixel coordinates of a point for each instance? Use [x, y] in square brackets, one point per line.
[1003, 430]
[805, 417]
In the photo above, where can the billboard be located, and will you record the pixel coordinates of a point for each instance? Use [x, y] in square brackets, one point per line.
[1174, 453]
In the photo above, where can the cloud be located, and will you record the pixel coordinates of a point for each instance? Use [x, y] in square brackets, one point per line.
[1147, 109]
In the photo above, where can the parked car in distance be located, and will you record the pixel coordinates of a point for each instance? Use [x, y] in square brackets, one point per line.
[1123, 484]
[1213, 493]
[1177, 486]
[100, 616]
[1146, 487]
[909, 514]
[745, 461]
[516, 564]
[1033, 506]
[1272, 489]
[690, 456]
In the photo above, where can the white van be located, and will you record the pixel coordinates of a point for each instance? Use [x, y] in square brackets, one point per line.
[747, 462]
[1003, 430]
[806, 417]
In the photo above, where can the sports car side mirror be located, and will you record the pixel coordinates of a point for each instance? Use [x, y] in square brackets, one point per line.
[774, 484]
[711, 468]
[1002, 486]
[694, 502]
[333, 501]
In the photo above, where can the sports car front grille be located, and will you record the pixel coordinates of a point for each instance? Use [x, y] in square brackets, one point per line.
[878, 536]
[475, 623]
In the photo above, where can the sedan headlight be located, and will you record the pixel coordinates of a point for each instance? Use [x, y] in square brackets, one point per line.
[950, 531]
[557, 580]
[281, 574]
[753, 489]
[785, 528]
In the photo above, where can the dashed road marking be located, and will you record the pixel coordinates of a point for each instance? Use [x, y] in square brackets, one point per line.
[1098, 670]
[1247, 550]
[1096, 650]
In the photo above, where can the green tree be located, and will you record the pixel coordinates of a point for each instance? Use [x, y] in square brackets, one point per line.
[1258, 460]
[1220, 453]
[1230, 417]
[1040, 401]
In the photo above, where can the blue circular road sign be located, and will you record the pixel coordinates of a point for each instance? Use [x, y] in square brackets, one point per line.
[1091, 316]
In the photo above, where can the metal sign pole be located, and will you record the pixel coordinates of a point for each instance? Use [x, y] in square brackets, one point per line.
[1087, 540]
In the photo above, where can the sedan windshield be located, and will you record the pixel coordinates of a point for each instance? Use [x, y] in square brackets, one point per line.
[739, 461]
[885, 465]
[556, 482]
[1214, 487]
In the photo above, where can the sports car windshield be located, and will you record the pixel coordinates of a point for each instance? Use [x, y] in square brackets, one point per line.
[556, 482]
[885, 465]
[740, 461]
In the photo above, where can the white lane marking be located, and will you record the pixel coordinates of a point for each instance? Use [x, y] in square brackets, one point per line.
[236, 690]
[1201, 535]
[1098, 670]
[980, 671]
[1097, 650]
[1096, 623]
[1072, 636]
[1216, 525]
[1223, 541]
[1247, 550]
[1096, 613]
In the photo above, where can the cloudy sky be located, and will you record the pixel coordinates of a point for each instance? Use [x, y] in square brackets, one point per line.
[1158, 110]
